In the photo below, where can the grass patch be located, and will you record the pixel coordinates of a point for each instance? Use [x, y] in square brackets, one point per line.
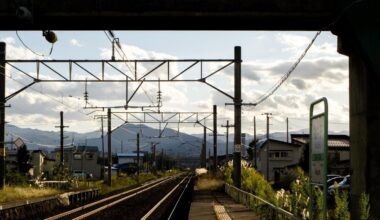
[206, 182]
[16, 193]
[128, 181]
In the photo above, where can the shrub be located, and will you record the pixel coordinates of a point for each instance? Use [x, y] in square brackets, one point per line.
[255, 183]
[341, 211]
[364, 206]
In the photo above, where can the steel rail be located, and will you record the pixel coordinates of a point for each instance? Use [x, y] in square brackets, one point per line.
[154, 183]
[179, 199]
[93, 212]
[148, 214]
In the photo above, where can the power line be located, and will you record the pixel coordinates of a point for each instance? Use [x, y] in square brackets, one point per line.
[270, 92]
[30, 49]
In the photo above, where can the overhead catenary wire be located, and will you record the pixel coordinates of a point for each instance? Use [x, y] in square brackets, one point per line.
[111, 36]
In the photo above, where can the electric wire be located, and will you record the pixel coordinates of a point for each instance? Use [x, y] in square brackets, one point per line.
[277, 85]
[30, 49]
[123, 55]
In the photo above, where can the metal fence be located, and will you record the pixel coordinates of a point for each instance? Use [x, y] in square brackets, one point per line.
[264, 209]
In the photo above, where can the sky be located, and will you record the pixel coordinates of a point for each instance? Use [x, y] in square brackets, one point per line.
[266, 57]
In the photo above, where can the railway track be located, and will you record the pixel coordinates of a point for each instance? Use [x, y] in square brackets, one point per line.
[144, 202]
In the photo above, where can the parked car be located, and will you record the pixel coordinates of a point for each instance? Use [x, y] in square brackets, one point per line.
[336, 179]
[129, 168]
[342, 185]
[330, 176]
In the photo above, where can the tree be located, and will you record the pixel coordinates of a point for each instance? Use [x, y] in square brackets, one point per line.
[252, 146]
[23, 159]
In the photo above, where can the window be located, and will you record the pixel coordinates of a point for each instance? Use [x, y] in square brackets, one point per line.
[77, 156]
[279, 154]
[89, 156]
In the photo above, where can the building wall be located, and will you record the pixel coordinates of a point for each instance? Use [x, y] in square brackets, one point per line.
[86, 162]
[281, 155]
[37, 162]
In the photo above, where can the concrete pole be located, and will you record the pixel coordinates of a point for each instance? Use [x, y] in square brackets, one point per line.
[109, 179]
[104, 161]
[228, 128]
[2, 114]
[237, 111]
[254, 141]
[215, 131]
[61, 138]
[268, 147]
[138, 153]
[287, 130]
[204, 146]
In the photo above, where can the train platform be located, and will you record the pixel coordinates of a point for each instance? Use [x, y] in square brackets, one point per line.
[210, 205]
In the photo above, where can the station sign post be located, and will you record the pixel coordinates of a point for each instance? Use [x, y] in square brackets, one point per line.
[318, 156]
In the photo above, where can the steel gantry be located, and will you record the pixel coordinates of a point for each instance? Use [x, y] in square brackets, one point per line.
[78, 71]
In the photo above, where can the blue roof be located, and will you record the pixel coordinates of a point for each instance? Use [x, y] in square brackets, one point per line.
[129, 154]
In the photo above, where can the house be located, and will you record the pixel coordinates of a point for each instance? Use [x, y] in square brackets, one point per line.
[37, 158]
[281, 154]
[338, 151]
[80, 158]
[130, 158]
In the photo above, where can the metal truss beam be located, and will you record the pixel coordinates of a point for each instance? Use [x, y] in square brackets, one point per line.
[76, 71]
[101, 68]
[163, 117]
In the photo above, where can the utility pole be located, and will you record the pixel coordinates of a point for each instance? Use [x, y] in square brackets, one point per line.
[109, 148]
[254, 141]
[237, 112]
[2, 113]
[287, 130]
[162, 159]
[61, 137]
[268, 147]
[227, 126]
[215, 137]
[204, 147]
[102, 124]
[138, 153]
[154, 156]
[121, 146]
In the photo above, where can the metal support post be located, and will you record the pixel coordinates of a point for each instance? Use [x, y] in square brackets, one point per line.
[2, 114]
[228, 126]
[61, 138]
[215, 138]
[138, 153]
[204, 146]
[268, 146]
[237, 111]
[61, 127]
[109, 149]
[287, 130]
[254, 141]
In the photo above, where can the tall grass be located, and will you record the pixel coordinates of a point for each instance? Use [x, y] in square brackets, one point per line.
[17, 193]
[209, 183]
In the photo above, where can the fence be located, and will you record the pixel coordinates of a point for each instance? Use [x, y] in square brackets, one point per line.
[264, 209]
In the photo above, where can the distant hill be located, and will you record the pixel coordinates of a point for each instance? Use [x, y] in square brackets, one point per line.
[124, 139]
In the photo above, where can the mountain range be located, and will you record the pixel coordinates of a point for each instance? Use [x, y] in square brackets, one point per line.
[124, 137]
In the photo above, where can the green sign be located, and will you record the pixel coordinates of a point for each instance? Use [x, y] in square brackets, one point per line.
[318, 156]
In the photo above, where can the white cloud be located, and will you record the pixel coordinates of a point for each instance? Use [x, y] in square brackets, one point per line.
[75, 43]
